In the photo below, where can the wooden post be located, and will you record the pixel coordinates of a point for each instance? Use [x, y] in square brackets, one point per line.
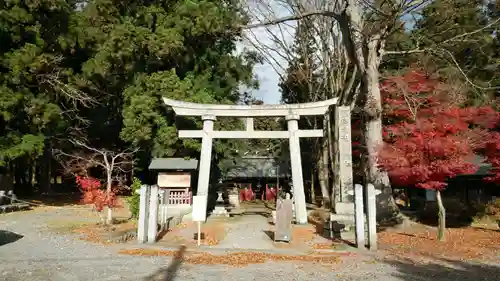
[199, 233]
[153, 214]
[142, 224]
[359, 216]
[372, 216]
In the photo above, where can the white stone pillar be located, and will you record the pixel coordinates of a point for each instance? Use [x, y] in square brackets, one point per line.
[249, 124]
[371, 213]
[153, 214]
[343, 117]
[205, 155]
[359, 216]
[142, 223]
[296, 161]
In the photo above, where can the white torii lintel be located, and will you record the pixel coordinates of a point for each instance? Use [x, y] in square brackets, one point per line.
[197, 134]
[182, 108]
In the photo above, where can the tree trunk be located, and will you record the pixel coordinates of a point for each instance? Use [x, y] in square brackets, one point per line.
[45, 171]
[441, 217]
[109, 217]
[325, 166]
[372, 122]
[334, 159]
[323, 178]
[313, 192]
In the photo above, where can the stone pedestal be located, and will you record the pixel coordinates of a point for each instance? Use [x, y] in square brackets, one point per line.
[346, 208]
[344, 215]
[234, 200]
[220, 208]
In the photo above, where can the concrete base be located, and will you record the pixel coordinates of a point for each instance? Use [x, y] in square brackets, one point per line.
[344, 208]
[220, 211]
[234, 200]
[179, 210]
[341, 217]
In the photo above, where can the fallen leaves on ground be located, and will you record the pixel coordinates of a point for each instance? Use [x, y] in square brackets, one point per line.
[461, 243]
[183, 225]
[322, 246]
[100, 234]
[147, 252]
[301, 236]
[237, 259]
[303, 233]
[91, 234]
[213, 233]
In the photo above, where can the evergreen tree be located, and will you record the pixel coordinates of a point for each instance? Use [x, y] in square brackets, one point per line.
[39, 92]
[98, 69]
[460, 40]
[181, 50]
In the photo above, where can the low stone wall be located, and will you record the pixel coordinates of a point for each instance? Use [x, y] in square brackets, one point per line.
[14, 207]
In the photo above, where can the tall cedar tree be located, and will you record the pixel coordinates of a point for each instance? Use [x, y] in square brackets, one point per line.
[125, 55]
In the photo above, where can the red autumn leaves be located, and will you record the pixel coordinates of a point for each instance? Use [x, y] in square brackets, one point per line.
[429, 137]
[93, 193]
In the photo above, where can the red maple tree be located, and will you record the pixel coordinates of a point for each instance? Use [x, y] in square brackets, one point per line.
[429, 138]
[94, 193]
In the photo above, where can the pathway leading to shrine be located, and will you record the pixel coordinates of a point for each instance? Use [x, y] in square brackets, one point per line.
[248, 232]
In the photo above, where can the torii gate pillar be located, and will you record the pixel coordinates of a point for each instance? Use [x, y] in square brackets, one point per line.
[206, 154]
[297, 176]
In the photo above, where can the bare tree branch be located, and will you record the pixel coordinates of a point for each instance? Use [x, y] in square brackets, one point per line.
[111, 162]
[450, 40]
[291, 18]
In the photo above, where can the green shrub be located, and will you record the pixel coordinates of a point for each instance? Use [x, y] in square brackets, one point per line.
[134, 199]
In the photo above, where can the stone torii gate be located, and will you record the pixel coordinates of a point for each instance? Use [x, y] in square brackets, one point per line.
[292, 114]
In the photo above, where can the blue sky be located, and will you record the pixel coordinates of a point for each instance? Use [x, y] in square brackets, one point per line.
[267, 74]
[268, 77]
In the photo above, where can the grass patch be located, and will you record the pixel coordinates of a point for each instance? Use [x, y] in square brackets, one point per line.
[66, 226]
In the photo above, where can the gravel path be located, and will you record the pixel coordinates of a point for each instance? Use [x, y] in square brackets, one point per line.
[43, 255]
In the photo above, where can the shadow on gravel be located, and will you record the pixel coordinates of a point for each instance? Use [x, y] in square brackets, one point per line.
[169, 273]
[7, 237]
[445, 270]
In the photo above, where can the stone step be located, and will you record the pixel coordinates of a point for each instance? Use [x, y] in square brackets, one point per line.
[348, 222]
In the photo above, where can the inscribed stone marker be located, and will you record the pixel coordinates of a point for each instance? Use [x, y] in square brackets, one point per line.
[284, 216]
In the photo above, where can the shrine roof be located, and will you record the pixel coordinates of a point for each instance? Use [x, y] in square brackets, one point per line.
[173, 164]
[255, 167]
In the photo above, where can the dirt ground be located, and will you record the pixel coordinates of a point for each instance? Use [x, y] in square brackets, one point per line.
[35, 247]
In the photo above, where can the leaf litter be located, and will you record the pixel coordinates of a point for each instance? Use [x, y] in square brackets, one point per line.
[237, 259]
[460, 243]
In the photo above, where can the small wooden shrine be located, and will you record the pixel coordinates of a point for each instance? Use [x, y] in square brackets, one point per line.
[177, 176]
